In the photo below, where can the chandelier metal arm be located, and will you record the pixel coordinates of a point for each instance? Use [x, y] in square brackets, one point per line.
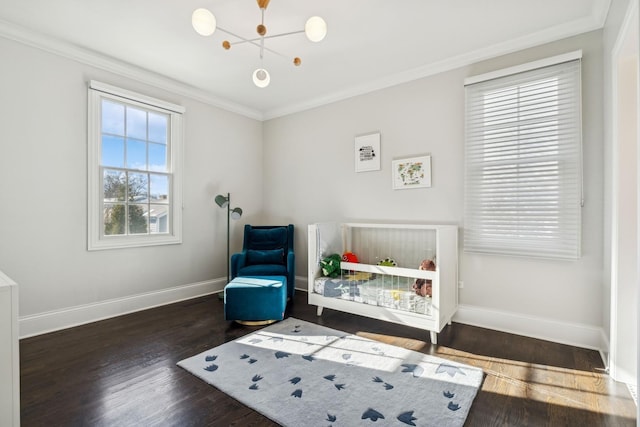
[244, 40]
[260, 38]
[261, 48]
[252, 41]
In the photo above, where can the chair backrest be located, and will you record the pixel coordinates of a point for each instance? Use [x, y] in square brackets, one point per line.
[266, 237]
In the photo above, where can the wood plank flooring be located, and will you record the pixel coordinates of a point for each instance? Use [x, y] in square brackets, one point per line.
[122, 372]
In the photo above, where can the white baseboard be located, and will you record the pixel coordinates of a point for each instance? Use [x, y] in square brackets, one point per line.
[302, 283]
[42, 323]
[579, 335]
[633, 390]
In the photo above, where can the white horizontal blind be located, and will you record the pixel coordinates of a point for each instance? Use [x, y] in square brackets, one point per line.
[523, 182]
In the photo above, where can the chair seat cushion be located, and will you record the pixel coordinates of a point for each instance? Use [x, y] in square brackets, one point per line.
[263, 270]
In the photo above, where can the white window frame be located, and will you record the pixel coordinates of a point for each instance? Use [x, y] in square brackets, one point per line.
[509, 207]
[98, 91]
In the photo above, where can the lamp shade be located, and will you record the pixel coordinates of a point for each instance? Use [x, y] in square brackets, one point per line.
[236, 213]
[315, 29]
[261, 77]
[221, 201]
[203, 22]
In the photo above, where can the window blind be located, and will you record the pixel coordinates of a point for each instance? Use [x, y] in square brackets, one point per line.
[523, 163]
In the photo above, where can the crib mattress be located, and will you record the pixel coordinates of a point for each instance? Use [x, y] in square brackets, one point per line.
[384, 291]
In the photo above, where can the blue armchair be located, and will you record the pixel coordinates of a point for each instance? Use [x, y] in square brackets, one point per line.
[266, 251]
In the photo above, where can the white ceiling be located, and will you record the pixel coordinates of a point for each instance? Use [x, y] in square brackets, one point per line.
[371, 44]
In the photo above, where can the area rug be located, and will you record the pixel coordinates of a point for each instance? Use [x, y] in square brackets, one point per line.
[302, 374]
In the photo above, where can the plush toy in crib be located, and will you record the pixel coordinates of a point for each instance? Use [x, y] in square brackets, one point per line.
[349, 257]
[424, 287]
[331, 265]
[388, 262]
[427, 265]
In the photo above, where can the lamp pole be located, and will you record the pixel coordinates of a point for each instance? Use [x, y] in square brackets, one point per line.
[228, 233]
[235, 213]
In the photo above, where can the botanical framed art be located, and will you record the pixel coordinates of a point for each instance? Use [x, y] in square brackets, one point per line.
[414, 172]
[367, 152]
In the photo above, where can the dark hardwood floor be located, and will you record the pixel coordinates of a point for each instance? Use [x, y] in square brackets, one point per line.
[122, 372]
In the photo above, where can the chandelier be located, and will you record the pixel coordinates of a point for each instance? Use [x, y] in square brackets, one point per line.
[204, 22]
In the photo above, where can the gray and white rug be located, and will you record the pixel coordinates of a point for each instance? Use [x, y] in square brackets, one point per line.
[301, 374]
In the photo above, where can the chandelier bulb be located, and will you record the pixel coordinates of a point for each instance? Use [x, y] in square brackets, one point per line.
[261, 78]
[203, 22]
[315, 29]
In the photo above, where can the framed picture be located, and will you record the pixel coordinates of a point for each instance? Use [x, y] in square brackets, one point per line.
[414, 172]
[367, 152]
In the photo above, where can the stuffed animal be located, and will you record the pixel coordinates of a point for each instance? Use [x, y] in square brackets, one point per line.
[331, 265]
[349, 257]
[424, 287]
[387, 262]
[428, 265]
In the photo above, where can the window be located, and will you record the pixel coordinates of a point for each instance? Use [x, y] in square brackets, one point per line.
[135, 152]
[523, 183]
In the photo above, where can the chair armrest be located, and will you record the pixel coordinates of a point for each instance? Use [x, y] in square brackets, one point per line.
[291, 262]
[238, 261]
[291, 273]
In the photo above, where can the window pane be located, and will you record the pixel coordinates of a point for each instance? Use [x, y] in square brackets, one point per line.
[138, 187]
[136, 123]
[112, 151]
[159, 188]
[157, 157]
[114, 185]
[159, 219]
[158, 127]
[138, 219]
[112, 117]
[136, 154]
[114, 219]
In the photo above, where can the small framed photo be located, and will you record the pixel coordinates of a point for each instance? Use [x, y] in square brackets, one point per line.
[367, 152]
[414, 172]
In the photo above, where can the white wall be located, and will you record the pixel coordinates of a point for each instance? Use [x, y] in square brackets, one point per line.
[43, 196]
[611, 32]
[621, 50]
[626, 243]
[309, 177]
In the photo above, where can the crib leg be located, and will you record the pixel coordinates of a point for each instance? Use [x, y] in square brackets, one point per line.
[434, 338]
[319, 310]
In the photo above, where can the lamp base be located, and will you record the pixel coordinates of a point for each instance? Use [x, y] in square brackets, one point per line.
[255, 322]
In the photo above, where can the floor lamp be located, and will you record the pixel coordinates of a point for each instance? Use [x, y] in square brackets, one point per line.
[235, 213]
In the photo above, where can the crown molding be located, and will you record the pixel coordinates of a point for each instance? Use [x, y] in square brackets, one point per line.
[600, 11]
[85, 56]
[573, 28]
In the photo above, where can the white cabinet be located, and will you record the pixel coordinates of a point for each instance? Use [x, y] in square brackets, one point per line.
[9, 353]
[384, 283]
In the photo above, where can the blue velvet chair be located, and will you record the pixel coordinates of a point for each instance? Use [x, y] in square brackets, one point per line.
[266, 251]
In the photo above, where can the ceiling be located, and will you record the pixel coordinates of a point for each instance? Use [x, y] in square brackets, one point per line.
[371, 44]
